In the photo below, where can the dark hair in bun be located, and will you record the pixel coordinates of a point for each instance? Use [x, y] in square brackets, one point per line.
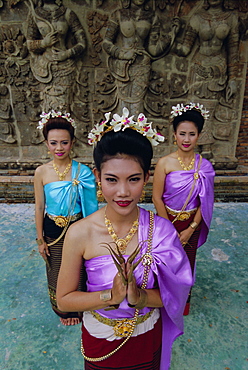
[127, 142]
[193, 115]
[58, 123]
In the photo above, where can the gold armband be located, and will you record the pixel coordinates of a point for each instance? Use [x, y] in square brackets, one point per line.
[39, 241]
[194, 225]
[106, 295]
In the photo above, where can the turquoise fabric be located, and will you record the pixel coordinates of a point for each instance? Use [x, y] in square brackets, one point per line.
[65, 198]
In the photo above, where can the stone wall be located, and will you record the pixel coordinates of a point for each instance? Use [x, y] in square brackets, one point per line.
[74, 57]
[242, 145]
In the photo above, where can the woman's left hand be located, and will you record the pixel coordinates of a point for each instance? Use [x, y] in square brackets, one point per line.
[185, 235]
[132, 289]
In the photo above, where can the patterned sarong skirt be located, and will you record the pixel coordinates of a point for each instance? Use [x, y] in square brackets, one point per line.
[52, 232]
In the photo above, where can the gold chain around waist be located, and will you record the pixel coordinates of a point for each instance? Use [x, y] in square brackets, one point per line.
[122, 327]
[181, 215]
[63, 221]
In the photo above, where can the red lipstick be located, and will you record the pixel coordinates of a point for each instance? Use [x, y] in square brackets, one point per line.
[123, 203]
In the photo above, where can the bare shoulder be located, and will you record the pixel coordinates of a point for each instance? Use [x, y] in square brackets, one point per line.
[83, 229]
[79, 228]
[162, 162]
[166, 163]
[42, 169]
[86, 234]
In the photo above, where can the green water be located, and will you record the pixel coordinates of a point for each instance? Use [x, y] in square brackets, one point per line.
[215, 338]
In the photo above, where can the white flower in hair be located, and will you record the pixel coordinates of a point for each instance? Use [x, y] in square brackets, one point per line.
[123, 122]
[52, 114]
[97, 131]
[154, 136]
[179, 109]
[142, 122]
[146, 129]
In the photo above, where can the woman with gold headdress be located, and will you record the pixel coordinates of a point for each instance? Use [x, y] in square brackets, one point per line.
[138, 273]
[183, 184]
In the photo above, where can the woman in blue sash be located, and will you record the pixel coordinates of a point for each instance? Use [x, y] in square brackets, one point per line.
[64, 192]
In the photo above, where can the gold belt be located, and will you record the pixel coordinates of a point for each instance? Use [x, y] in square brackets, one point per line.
[63, 221]
[122, 327]
[181, 215]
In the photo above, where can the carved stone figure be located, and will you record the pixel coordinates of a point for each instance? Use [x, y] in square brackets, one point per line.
[14, 67]
[52, 58]
[131, 40]
[214, 64]
[6, 126]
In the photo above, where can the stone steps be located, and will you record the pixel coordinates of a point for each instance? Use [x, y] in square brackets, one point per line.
[19, 189]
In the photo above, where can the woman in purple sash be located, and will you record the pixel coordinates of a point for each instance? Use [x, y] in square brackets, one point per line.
[138, 275]
[183, 185]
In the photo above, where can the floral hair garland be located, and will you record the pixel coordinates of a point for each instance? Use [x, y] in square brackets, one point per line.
[52, 114]
[120, 123]
[180, 109]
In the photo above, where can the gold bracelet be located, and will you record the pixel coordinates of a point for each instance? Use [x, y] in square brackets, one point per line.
[106, 295]
[143, 299]
[39, 241]
[194, 225]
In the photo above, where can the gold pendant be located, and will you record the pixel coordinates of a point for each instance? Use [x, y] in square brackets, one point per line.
[122, 245]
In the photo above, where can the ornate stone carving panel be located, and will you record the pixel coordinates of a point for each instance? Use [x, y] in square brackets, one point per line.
[90, 57]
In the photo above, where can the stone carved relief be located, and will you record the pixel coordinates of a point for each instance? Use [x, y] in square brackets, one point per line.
[96, 22]
[52, 61]
[213, 35]
[132, 40]
[99, 56]
[56, 40]
[6, 127]
[14, 68]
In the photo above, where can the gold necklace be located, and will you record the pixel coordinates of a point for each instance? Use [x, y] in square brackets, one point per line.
[184, 167]
[121, 242]
[61, 174]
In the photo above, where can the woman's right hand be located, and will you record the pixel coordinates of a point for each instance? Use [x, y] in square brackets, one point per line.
[44, 251]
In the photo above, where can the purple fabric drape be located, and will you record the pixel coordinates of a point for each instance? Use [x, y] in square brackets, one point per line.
[170, 269]
[178, 185]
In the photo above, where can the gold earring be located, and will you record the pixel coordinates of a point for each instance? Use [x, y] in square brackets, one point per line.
[174, 142]
[143, 194]
[48, 152]
[99, 193]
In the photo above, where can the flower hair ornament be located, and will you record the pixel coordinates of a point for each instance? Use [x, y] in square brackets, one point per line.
[120, 123]
[52, 114]
[180, 109]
